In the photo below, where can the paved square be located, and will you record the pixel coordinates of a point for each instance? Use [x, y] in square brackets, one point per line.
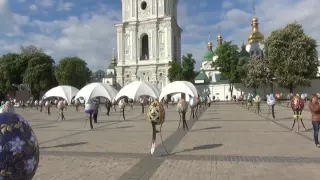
[227, 142]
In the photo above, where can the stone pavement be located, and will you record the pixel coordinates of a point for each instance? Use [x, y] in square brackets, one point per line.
[227, 142]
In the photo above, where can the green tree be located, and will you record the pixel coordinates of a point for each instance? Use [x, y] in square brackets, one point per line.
[174, 71]
[188, 73]
[293, 56]
[258, 73]
[73, 71]
[244, 58]
[30, 49]
[39, 74]
[8, 73]
[227, 62]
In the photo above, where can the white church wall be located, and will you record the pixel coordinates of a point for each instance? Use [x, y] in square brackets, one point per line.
[315, 88]
[222, 90]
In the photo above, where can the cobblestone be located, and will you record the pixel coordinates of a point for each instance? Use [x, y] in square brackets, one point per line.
[227, 142]
[78, 167]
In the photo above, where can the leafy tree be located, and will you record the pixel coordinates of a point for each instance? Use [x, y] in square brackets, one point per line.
[258, 73]
[244, 59]
[30, 49]
[227, 62]
[292, 56]
[73, 71]
[174, 71]
[39, 73]
[8, 73]
[188, 73]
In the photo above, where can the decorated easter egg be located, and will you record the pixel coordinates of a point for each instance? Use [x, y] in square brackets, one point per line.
[257, 99]
[193, 102]
[271, 100]
[19, 149]
[297, 104]
[89, 107]
[61, 104]
[47, 104]
[77, 102]
[114, 102]
[8, 107]
[122, 104]
[182, 106]
[156, 113]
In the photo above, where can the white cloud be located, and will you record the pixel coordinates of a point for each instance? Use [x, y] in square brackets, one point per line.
[33, 7]
[89, 36]
[45, 3]
[67, 6]
[226, 4]
[11, 22]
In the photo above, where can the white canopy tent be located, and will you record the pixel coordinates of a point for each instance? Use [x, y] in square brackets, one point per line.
[94, 90]
[179, 87]
[138, 88]
[65, 92]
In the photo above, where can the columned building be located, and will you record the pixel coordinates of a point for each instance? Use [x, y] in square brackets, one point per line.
[148, 38]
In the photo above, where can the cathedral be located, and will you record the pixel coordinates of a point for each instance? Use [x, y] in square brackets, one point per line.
[148, 38]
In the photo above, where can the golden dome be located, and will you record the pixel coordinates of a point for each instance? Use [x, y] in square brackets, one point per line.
[219, 39]
[210, 44]
[255, 36]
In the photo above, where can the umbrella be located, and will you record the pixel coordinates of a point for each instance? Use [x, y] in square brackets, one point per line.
[93, 90]
[137, 89]
[179, 87]
[65, 92]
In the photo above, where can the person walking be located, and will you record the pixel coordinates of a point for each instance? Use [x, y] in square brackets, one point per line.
[314, 107]
[96, 111]
[61, 107]
[108, 106]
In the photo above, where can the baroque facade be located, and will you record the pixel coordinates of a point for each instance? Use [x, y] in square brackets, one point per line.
[147, 40]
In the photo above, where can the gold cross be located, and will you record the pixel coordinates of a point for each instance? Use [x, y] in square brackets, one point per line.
[209, 36]
[113, 51]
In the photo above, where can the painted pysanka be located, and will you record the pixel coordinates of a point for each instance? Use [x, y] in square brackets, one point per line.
[156, 113]
[182, 106]
[297, 104]
[19, 149]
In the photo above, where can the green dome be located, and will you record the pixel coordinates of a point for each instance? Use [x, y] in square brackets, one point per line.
[243, 52]
[208, 55]
[111, 66]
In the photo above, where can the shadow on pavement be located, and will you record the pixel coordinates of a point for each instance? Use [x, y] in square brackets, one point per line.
[208, 128]
[65, 145]
[202, 147]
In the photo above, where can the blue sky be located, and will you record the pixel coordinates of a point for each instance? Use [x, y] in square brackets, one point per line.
[85, 28]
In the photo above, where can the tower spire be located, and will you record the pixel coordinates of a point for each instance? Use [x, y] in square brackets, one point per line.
[220, 39]
[209, 42]
[255, 35]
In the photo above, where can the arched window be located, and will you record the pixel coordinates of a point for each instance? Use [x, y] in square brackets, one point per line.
[144, 47]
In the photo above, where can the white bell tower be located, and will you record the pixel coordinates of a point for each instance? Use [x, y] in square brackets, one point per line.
[147, 40]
